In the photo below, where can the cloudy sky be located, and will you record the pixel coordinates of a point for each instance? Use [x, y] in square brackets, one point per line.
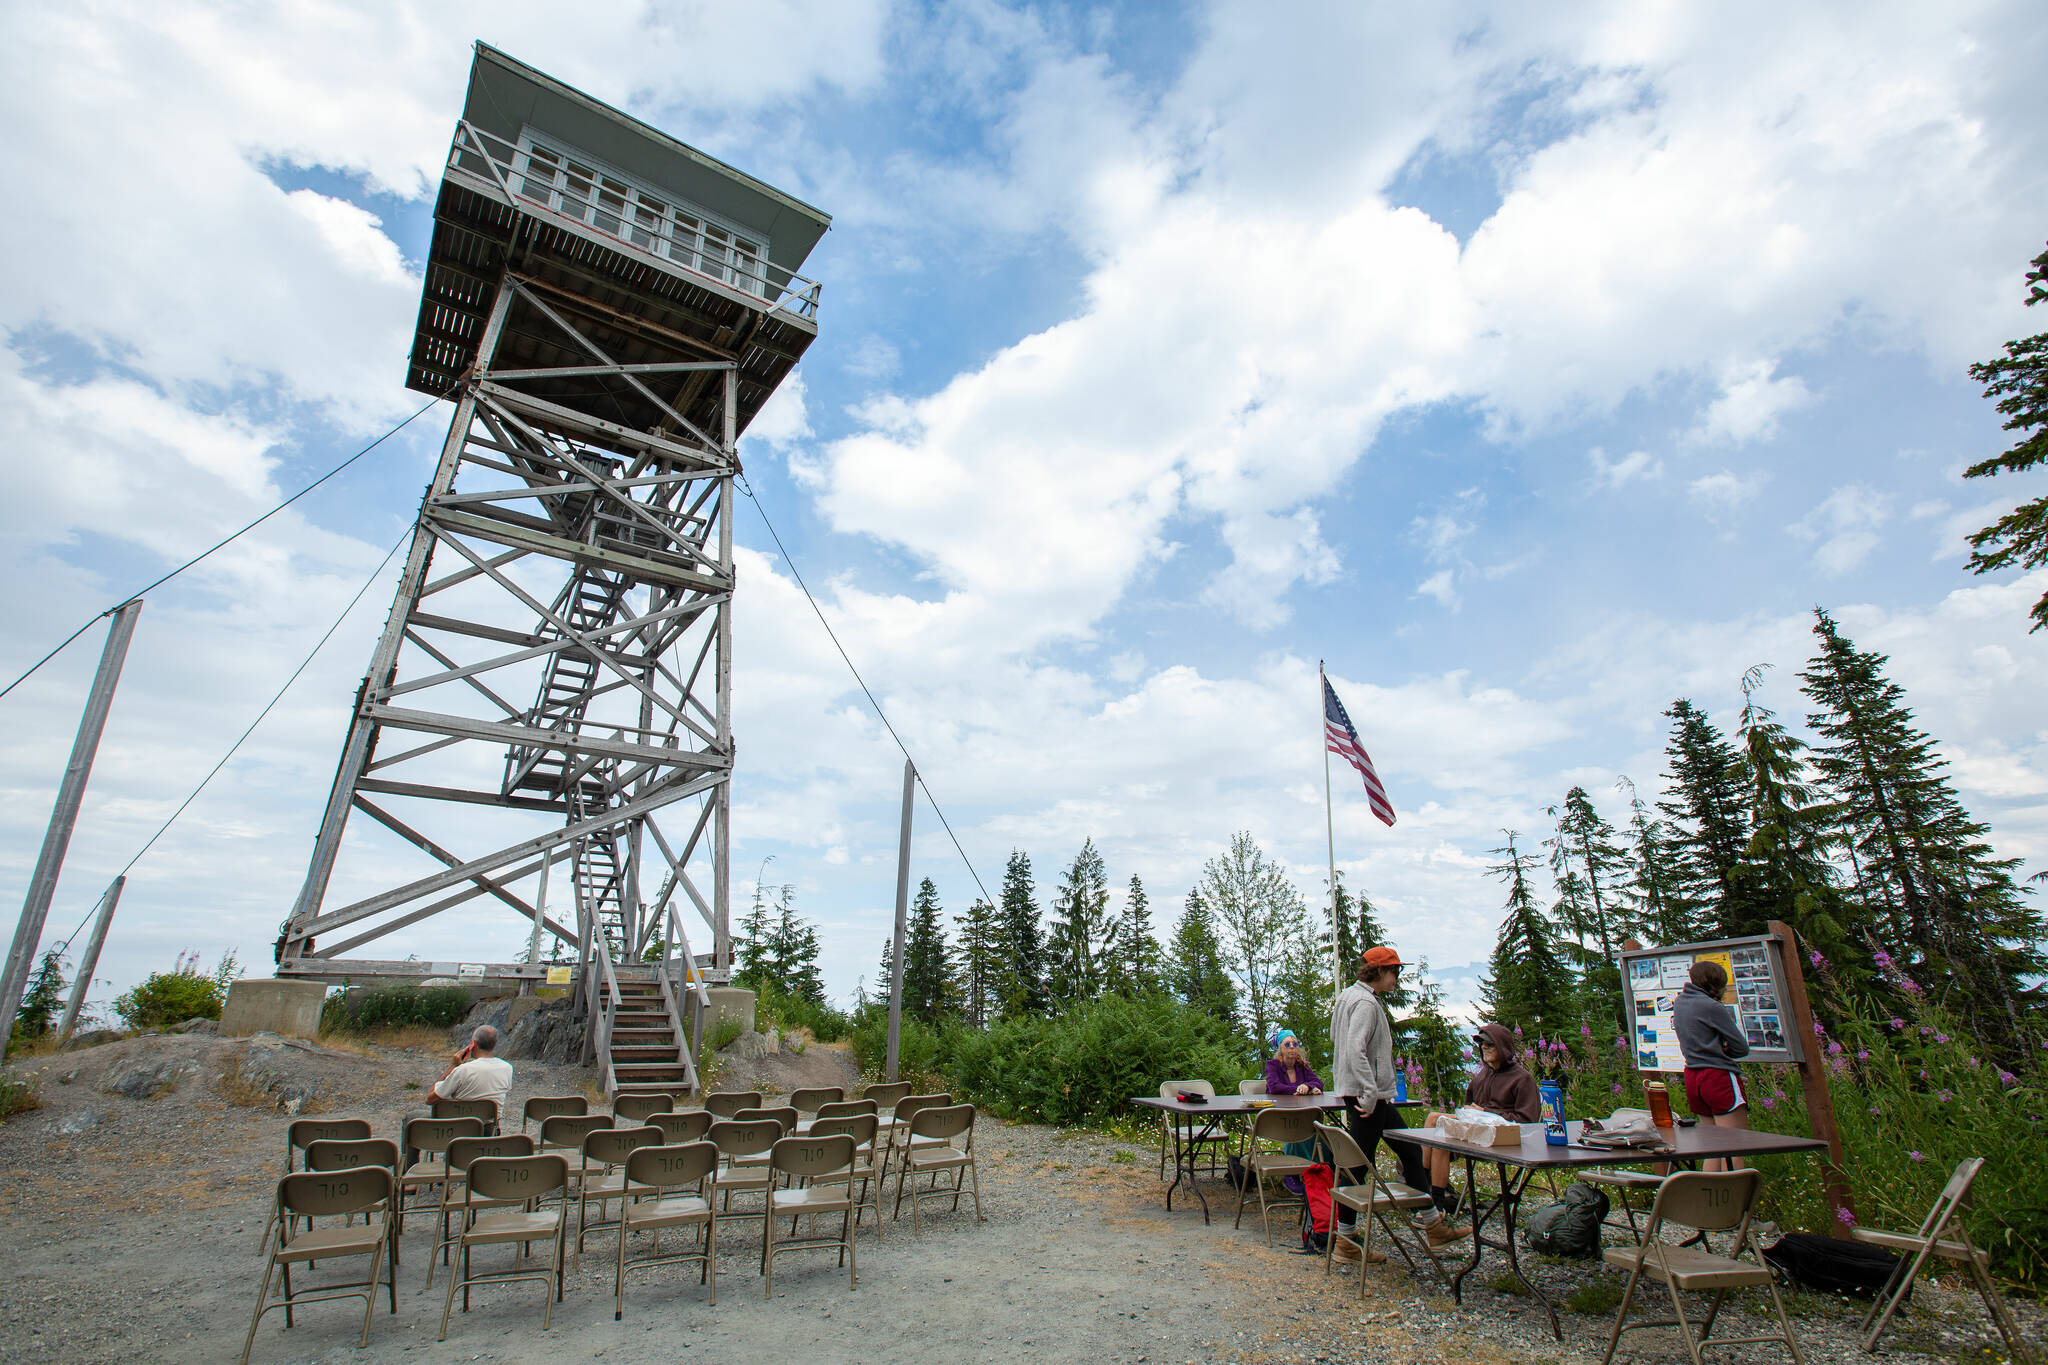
[1532, 365]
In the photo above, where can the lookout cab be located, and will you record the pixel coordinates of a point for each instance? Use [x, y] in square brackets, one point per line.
[545, 728]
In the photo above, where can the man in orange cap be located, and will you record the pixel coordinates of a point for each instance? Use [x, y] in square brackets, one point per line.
[1362, 1053]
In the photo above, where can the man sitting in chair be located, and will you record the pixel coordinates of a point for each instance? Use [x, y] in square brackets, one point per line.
[475, 1074]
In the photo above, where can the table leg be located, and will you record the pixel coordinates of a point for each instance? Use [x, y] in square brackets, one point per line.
[1511, 1201]
[1478, 1222]
[1185, 1155]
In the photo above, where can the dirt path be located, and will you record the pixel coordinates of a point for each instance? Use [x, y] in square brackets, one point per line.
[136, 1240]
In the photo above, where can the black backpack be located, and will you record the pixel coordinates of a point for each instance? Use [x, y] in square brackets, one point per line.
[1570, 1227]
[1830, 1266]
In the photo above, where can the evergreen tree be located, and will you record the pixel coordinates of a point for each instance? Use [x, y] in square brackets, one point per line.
[1933, 888]
[1526, 984]
[885, 975]
[1589, 872]
[794, 961]
[980, 963]
[1074, 947]
[1022, 984]
[2020, 384]
[1429, 1040]
[1709, 811]
[36, 1015]
[1302, 989]
[1195, 965]
[1358, 927]
[931, 985]
[1657, 907]
[755, 946]
[1134, 966]
[1261, 916]
[1785, 872]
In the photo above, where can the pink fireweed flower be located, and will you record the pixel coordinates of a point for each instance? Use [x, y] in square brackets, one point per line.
[1817, 960]
[1768, 1103]
[1945, 1095]
[2006, 1077]
[1585, 1030]
[1834, 1049]
[1941, 1037]
[1917, 1156]
[1975, 1062]
[1861, 1055]
[1847, 1218]
[1898, 1023]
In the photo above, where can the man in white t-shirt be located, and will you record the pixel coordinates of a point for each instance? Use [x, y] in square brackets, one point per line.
[475, 1074]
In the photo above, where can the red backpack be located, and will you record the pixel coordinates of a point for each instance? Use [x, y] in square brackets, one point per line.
[1316, 1181]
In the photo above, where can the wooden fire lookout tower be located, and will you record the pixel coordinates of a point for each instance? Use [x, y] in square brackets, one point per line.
[607, 308]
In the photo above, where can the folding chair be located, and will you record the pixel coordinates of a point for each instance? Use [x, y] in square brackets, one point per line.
[346, 1154]
[844, 1108]
[653, 1177]
[807, 1099]
[632, 1111]
[886, 1095]
[1708, 1202]
[604, 1151]
[487, 1110]
[825, 1165]
[784, 1115]
[724, 1104]
[897, 1128]
[430, 1138]
[736, 1141]
[321, 1194]
[564, 1136]
[500, 1204]
[1207, 1137]
[454, 1189]
[931, 1152]
[863, 1129]
[1941, 1234]
[1252, 1089]
[1373, 1200]
[302, 1133]
[1277, 1126]
[1625, 1183]
[541, 1108]
[688, 1126]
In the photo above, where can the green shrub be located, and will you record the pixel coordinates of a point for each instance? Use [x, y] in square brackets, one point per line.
[723, 1034]
[775, 1007]
[921, 1049]
[166, 998]
[18, 1095]
[1083, 1066]
[358, 1011]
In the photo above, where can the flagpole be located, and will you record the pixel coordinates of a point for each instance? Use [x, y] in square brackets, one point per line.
[1330, 829]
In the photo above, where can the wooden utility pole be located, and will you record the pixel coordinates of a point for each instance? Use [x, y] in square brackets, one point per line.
[1813, 1076]
[88, 964]
[70, 795]
[902, 915]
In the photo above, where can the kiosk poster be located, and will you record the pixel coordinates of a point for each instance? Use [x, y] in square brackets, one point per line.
[1652, 979]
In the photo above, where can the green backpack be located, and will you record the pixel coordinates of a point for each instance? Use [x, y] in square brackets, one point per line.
[1570, 1227]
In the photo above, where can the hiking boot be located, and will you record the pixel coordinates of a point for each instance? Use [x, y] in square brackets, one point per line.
[1346, 1251]
[1443, 1232]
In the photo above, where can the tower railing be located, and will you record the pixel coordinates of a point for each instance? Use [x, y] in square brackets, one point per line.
[668, 234]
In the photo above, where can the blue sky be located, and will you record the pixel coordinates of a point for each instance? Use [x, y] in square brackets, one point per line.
[1533, 370]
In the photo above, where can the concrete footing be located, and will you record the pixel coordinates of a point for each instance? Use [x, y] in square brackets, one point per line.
[730, 1002]
[288, 1008]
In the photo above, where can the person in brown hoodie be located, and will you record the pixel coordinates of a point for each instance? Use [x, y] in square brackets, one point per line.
[1501, 1085]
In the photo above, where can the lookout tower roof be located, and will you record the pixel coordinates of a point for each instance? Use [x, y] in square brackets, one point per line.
[657, 254]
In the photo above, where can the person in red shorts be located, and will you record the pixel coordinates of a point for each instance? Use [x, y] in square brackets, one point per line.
[1711, 1038]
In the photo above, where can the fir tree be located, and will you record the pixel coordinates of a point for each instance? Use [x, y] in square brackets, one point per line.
[980, 963]
[885, 975]
[1934, 889]
[1657, 907]
[1709, 811]
[37, 1013]
[1261, 916]
[794, 964]
[1526, 985]
[1358, 927]
[1589, 873]
[1785, 872]
[1428, 1039]
[1302, 988]
[2020, 384]
[931, 986]
[1195, 964]
[755, 945]
[1135, 965]
[1022, 985]
[1075, 945]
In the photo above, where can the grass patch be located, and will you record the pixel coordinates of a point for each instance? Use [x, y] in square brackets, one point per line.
[1507, 1283]
[1597, 1298]
[18, 1095]
[724, 1034]
[1123, 1156]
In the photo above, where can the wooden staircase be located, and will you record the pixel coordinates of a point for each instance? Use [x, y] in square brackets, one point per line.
[645, 1049]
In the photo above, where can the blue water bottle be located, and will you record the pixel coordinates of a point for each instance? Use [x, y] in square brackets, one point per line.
[1553, 1113]
[1400, 1086]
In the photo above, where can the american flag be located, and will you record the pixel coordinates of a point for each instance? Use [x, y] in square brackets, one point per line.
[1342, 740]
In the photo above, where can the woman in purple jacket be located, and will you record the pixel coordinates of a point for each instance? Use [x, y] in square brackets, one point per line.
[1288, 1072]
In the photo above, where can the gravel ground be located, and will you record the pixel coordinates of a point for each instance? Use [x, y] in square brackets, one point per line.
[135, 1239]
